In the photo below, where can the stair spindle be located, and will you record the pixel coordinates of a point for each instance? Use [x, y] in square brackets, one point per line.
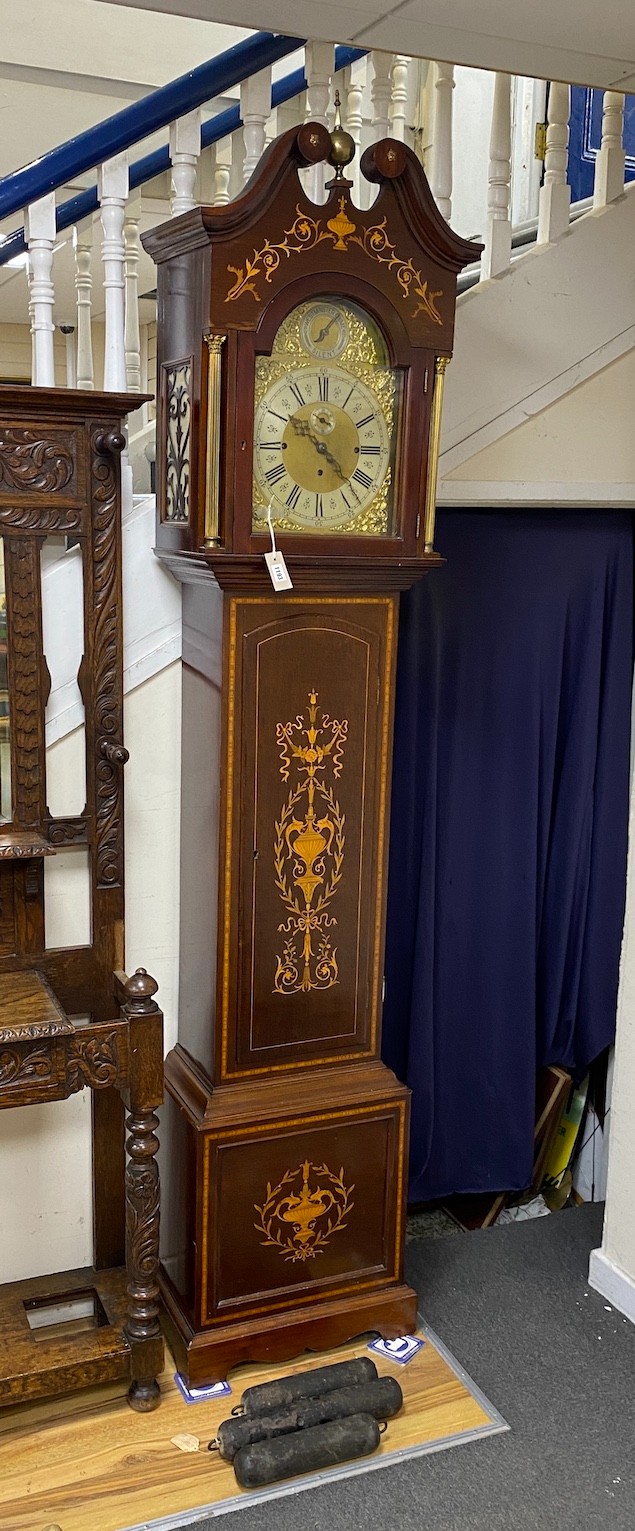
[399, 95]
[132, 330]
[610, 164]
[380, 93]
[222, 172]
[83, 245]
[40, 229]
[441, 153]
[318, 67]
[555, 195]
[353, 117]
[255, 106]
[113, 195]
[185, 148]
[498, 237]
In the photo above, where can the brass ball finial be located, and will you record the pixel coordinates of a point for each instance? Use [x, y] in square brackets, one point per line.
[342, 144]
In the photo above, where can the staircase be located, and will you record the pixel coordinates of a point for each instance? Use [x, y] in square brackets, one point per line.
[537, 319]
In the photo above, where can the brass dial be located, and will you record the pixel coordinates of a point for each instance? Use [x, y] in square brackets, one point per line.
[321, 447]
[326, 423]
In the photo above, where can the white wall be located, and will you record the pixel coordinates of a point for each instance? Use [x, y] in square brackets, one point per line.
[564, 442]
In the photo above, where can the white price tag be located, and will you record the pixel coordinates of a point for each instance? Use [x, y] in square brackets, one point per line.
[278, 572]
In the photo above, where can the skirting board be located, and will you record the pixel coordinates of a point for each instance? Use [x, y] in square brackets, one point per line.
[612, 1283]
[538, 494]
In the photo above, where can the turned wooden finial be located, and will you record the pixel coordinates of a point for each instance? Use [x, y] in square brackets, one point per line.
[110, 441]
[139, 991]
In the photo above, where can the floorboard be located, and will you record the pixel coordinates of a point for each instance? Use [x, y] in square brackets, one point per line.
[90, 1464]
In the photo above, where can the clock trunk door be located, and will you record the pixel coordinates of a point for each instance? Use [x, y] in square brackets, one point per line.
[306, 817]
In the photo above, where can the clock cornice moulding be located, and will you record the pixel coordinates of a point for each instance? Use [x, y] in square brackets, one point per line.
[388, 163]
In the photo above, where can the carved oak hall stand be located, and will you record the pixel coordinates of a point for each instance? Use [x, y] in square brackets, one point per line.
[302, 349]
[68, 1017]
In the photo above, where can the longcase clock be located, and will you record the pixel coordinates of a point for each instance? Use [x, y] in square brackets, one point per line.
[302, 349]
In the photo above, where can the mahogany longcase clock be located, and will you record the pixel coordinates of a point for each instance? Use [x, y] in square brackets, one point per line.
[301, 357]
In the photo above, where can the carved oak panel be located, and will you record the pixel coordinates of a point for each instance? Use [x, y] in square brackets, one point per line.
[38, 462]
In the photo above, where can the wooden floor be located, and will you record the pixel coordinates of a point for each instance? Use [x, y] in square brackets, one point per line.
[90, 1464]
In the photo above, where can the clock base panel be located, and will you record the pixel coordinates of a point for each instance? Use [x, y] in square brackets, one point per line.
[285, 1203]
[209, 1356]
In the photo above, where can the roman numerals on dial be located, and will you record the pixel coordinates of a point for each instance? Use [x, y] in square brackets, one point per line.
[273, 475]
[322, 445]
[360, 477]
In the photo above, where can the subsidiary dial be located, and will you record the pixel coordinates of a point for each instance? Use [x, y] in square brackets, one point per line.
[324, 331]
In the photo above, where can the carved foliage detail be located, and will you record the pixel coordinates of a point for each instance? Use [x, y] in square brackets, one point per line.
[108, 685]
[92, 1061]
[66, 831]
[45, 518]
[22, 1067]
[142, 1226]
[28, 461]
[25, 665]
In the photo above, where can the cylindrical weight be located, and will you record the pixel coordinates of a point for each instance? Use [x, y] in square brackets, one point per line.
[269, 1397]
[306, 1451]
[381, 1399]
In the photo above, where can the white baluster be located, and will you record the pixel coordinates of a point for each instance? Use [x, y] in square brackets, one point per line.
[40, 229]
[555, 196]
[498, 237]
[353, 116]
[113, 194]
[83, 243]
[319, 59]
[132, 331]
[255, 106]
[399, 96]
[441, 155]
[68, 331]
[380, 92]
[611, 160]
[222, 171]
[185, 147]
[271, 128]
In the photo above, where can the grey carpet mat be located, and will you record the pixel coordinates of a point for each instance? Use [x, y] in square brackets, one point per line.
[514, 1306]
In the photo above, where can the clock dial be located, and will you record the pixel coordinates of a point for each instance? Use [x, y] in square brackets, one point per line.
[325, 424]
[321, 446]
[324, 331]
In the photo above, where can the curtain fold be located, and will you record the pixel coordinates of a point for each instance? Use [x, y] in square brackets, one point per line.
[508, 831]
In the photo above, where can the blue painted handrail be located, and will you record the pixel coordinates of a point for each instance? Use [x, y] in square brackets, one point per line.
[147, 116]
[154, 164]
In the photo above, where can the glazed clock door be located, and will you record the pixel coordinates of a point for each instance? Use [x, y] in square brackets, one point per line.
[326, 425]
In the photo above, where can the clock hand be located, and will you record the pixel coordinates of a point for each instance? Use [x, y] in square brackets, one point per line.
[302, 428]
[324, 332]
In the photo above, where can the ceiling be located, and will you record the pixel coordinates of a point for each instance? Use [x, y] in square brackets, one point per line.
[583, 41]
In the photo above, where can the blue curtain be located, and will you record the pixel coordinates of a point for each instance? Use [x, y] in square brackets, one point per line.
[509, 830]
